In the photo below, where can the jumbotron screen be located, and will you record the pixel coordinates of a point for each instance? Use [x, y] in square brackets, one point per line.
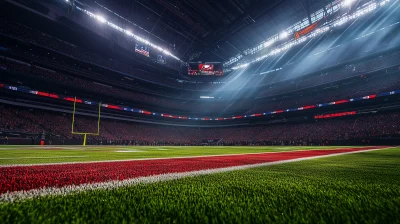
[205, 69]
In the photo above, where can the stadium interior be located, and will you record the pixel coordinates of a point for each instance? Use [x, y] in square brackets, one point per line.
[334, 59]
[199, 111]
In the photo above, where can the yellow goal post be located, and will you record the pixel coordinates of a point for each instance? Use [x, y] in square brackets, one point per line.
[85, 133]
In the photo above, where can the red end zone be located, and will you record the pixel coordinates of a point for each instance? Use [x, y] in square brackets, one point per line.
[19, 178]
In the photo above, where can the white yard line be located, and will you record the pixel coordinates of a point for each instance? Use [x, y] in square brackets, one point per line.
[162, 158]
[129, 151]
[110, 185]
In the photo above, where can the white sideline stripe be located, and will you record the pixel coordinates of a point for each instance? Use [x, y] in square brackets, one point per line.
[129, 151]
[115, 184]
[43, 157]
[162, 158]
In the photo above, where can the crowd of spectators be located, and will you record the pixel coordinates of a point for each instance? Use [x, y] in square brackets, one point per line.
[11, 119]
[122, 132]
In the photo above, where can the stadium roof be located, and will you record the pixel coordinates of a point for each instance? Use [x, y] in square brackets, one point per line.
[210, 30]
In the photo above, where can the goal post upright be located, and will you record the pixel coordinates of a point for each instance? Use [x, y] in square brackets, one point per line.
[85, 133]
[84, 139]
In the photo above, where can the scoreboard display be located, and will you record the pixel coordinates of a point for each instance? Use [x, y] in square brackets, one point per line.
[209, 69]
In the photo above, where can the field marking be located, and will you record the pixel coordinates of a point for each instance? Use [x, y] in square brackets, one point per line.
[129, 151]
[43, 157]
[162, 158]
[35, 148]
[73, 148]
[125, 148]
[15, 196]
[46, 147]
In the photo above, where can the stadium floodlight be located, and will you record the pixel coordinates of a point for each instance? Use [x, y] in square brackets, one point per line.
[348, 3]
[269, 43]
[142, 40]
[167, 52]
[366, 8]
[384, 2]
[101, 19]
[283, 35]
[129, 33]
[241, 66]
[122, 30]
[331, 9]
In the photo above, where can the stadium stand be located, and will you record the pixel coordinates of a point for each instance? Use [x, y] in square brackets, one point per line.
[313, 132]
[361, 85]
[106, 89]
[346, 71]
[35, 37]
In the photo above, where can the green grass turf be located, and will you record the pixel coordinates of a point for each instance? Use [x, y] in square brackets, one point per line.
[57, 154]
[353, 188]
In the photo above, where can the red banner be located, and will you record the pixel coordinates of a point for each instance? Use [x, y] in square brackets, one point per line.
[307, 30]
[335, 115]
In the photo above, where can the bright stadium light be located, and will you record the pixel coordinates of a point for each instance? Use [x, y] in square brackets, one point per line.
[167, 52]
[126, 32]
[283, 35]
[348, 3]
[129, 33]
[384, 2]
[268, 43]
[101, 19]
[366, 8]
[241, 66]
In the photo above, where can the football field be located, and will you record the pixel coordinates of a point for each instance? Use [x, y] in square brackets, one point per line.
[138, 184]
[59, 154]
